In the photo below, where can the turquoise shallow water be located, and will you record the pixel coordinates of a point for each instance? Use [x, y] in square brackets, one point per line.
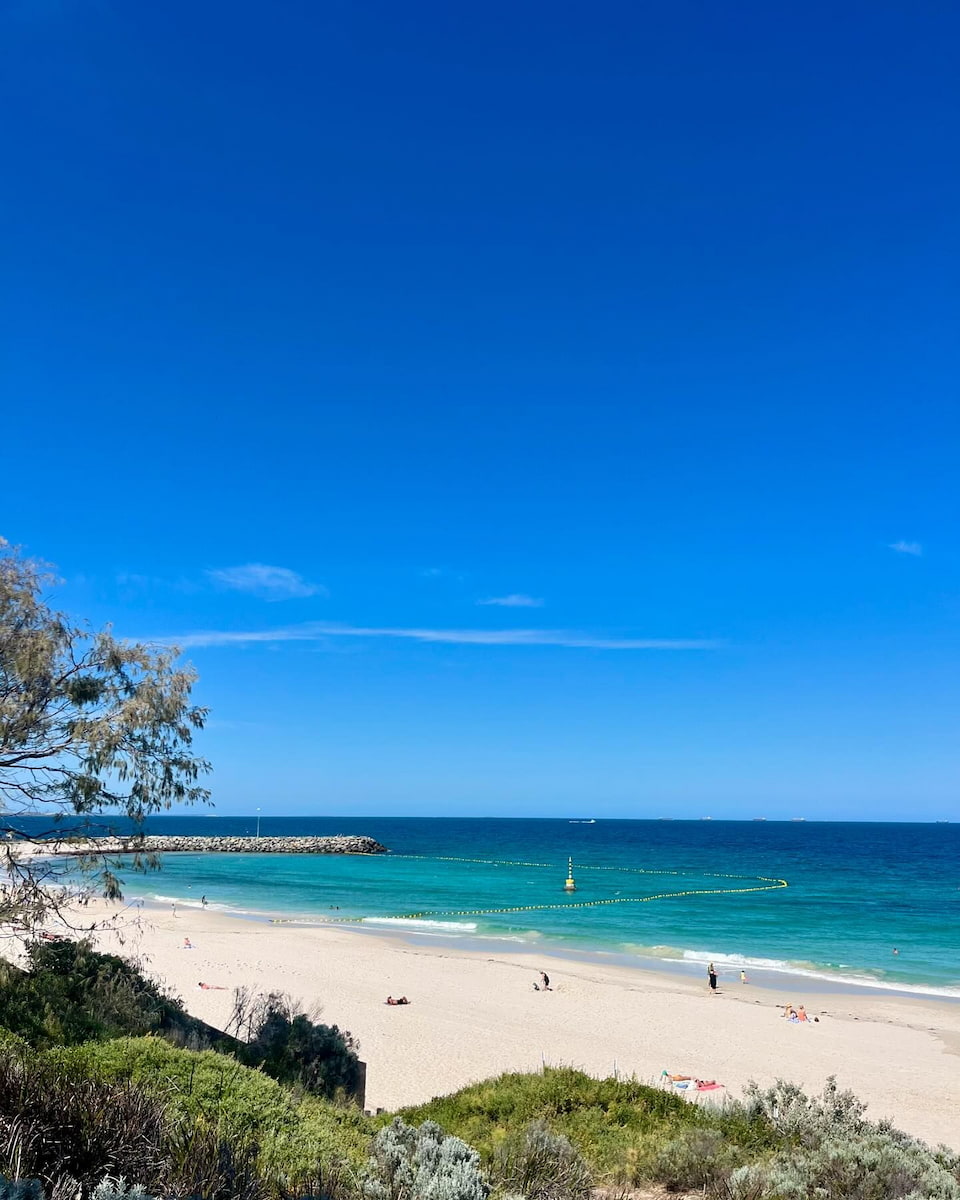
[855, 891]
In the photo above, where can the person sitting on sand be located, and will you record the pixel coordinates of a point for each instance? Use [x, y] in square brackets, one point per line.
[187, 944]
[544, 983]
[802, 1014]
[788, 1011]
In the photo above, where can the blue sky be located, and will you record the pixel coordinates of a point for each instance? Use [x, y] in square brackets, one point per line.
[542, 409]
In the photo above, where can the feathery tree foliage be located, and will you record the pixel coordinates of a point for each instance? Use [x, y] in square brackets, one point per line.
[89, 726]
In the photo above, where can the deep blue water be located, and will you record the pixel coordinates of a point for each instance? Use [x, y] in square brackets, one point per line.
[855, 891]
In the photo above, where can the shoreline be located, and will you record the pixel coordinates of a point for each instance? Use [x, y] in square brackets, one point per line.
[761, 975]
[475, 1014]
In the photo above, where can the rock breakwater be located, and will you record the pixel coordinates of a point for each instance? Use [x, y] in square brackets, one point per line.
[171, 844]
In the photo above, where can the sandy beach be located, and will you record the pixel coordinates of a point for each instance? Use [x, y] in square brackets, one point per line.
[473, 1015]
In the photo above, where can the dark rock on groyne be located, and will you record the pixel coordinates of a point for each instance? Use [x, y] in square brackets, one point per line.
[341, 844]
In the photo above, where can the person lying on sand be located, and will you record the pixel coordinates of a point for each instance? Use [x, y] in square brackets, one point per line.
[211, 987]
[402, 1000]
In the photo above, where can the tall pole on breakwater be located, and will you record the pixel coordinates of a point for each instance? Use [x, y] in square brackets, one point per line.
[258, 824]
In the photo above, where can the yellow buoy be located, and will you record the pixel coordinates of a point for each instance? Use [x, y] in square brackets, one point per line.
[570, 885]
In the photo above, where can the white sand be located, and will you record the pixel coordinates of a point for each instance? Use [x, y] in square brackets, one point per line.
[472, 1016]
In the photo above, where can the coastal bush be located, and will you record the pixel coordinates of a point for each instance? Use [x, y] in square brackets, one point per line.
[615, 1124]
[243, 1103]
[870, 1166]
[296, 1143]
[541, 1165]
[69, 1131]
[292, 1046]
[71, 993]
[786, 1108]
[695, 1160]
[409, 1163]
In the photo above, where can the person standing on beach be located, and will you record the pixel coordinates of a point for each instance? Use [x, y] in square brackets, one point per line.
[743, 977]
[712, 978]
[545, 982]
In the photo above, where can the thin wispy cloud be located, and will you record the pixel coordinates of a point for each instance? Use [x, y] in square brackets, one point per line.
[442, 573]
[269, 583]
[514, 600]
[319, 631]
[914, 548]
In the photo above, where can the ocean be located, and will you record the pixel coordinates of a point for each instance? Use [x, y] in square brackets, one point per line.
[856, 892]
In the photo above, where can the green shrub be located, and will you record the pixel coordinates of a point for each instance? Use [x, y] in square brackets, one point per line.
[827, 1148]
[297, 1144]
[70, 1130]
[868, 1166]
[71, 993]
[541, 1165]
[607, 1120]
[293, 1047]
[695, 1160]
[808, 1119]
[422, 1164]
[243, 1103]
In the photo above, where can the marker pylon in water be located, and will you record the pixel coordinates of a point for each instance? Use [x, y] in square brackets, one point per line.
[570, 885]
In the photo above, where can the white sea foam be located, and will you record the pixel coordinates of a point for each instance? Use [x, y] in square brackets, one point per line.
[193, 902]
[738, 960]
[847, 978]
[423, 923]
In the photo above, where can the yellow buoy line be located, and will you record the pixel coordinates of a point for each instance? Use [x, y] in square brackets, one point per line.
[759, 883]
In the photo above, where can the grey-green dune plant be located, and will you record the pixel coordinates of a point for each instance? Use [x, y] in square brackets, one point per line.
[694, 1160]
[872, 1166]
[830, 1150]
[411, 1163]
[542, 1165]
[118, 1189]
